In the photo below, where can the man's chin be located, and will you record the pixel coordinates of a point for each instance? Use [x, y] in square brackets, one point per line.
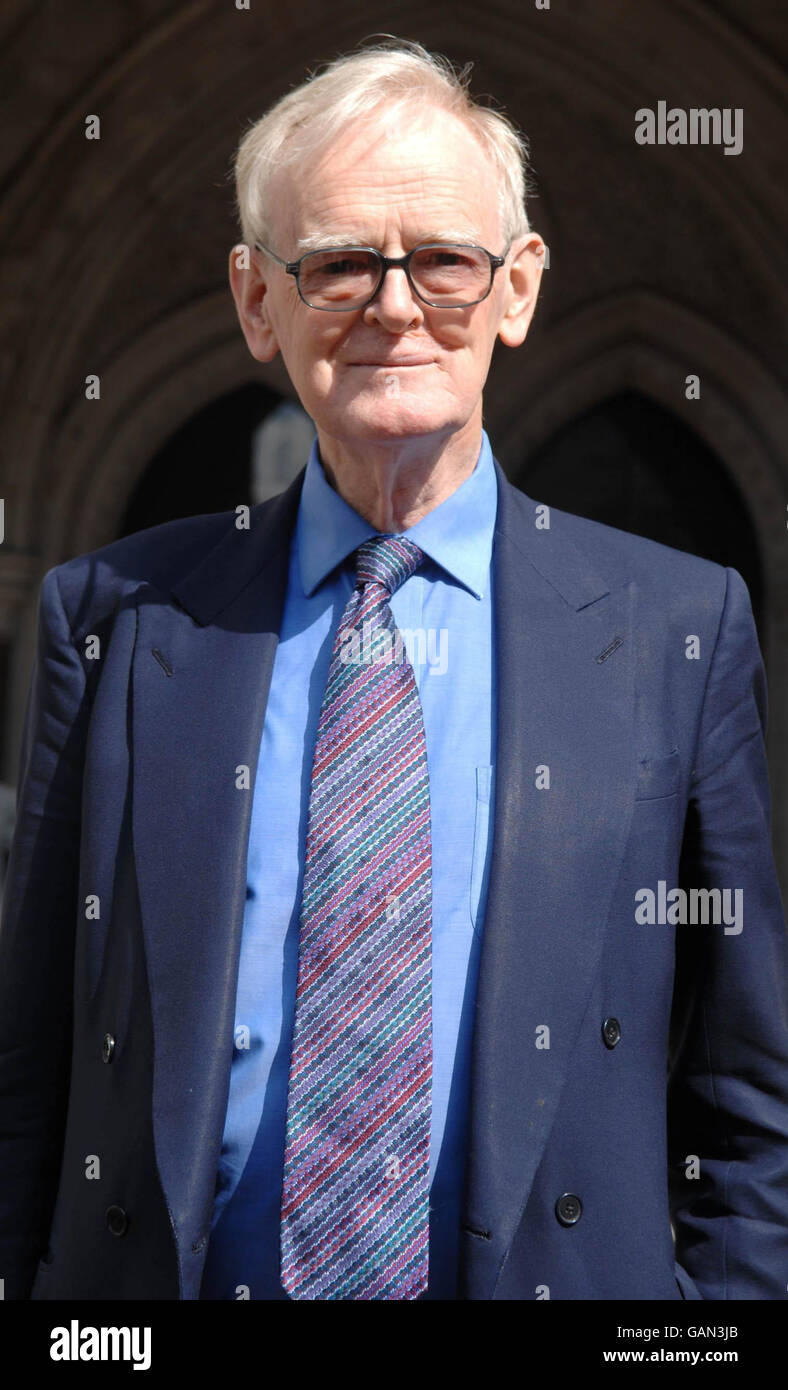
[386, 420]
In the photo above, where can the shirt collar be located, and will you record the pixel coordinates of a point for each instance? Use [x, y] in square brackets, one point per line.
[457, 534]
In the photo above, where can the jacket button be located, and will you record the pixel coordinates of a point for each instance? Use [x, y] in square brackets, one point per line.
[107, 1047]
[568, 1208]
[611, 1031]
[117, 1221]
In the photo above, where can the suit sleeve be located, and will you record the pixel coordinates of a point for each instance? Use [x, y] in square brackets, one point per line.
[728, 1076]
[37, 933]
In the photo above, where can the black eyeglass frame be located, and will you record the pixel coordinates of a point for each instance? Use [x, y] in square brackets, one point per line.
[386, 262]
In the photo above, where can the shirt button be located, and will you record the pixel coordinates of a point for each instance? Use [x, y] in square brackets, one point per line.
[611, 1031]
[107, 1048]
[117, 1221]
[568, 1208]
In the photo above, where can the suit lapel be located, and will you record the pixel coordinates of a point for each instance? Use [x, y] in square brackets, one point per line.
[201, 676]
[555, 855]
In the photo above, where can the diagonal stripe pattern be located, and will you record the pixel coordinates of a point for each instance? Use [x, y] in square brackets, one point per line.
[355, 1196]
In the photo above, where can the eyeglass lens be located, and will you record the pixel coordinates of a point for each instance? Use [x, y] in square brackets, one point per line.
[445, 275]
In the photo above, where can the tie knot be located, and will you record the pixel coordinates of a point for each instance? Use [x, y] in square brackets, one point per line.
[387, 560]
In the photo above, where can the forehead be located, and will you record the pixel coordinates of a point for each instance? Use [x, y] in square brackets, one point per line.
[418, 176]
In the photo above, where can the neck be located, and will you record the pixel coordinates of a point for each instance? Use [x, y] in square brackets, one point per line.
[394, 484]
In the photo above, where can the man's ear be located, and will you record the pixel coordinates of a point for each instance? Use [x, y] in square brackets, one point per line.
[249, 285]
[524, 277]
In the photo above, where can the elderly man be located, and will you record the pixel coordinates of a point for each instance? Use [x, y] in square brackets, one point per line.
[408, 848]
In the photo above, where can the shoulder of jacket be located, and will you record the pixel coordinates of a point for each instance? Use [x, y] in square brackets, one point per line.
[621, 556]
[92, 583]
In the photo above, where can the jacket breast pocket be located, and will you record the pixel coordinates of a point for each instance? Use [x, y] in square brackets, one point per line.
[658, 777]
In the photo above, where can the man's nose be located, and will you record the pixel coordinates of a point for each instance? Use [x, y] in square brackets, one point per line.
[395, 301]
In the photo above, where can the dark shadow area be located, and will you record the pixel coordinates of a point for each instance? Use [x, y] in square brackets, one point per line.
[205, 465]
[631, 464]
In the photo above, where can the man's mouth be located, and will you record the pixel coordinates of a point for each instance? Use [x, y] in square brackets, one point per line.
[398, 362]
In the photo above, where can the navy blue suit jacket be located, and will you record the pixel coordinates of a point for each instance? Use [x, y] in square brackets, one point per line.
[121, 925]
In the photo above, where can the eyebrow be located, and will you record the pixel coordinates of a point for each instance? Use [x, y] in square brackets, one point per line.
[319, 241]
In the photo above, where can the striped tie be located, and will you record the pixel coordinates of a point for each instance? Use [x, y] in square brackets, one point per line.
[355, 1213]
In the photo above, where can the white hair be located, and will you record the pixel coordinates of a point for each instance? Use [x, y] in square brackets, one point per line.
[379, 79]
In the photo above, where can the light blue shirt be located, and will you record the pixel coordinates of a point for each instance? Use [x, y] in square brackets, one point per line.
[447, 608]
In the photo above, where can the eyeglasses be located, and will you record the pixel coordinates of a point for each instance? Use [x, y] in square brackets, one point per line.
[441, 274]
